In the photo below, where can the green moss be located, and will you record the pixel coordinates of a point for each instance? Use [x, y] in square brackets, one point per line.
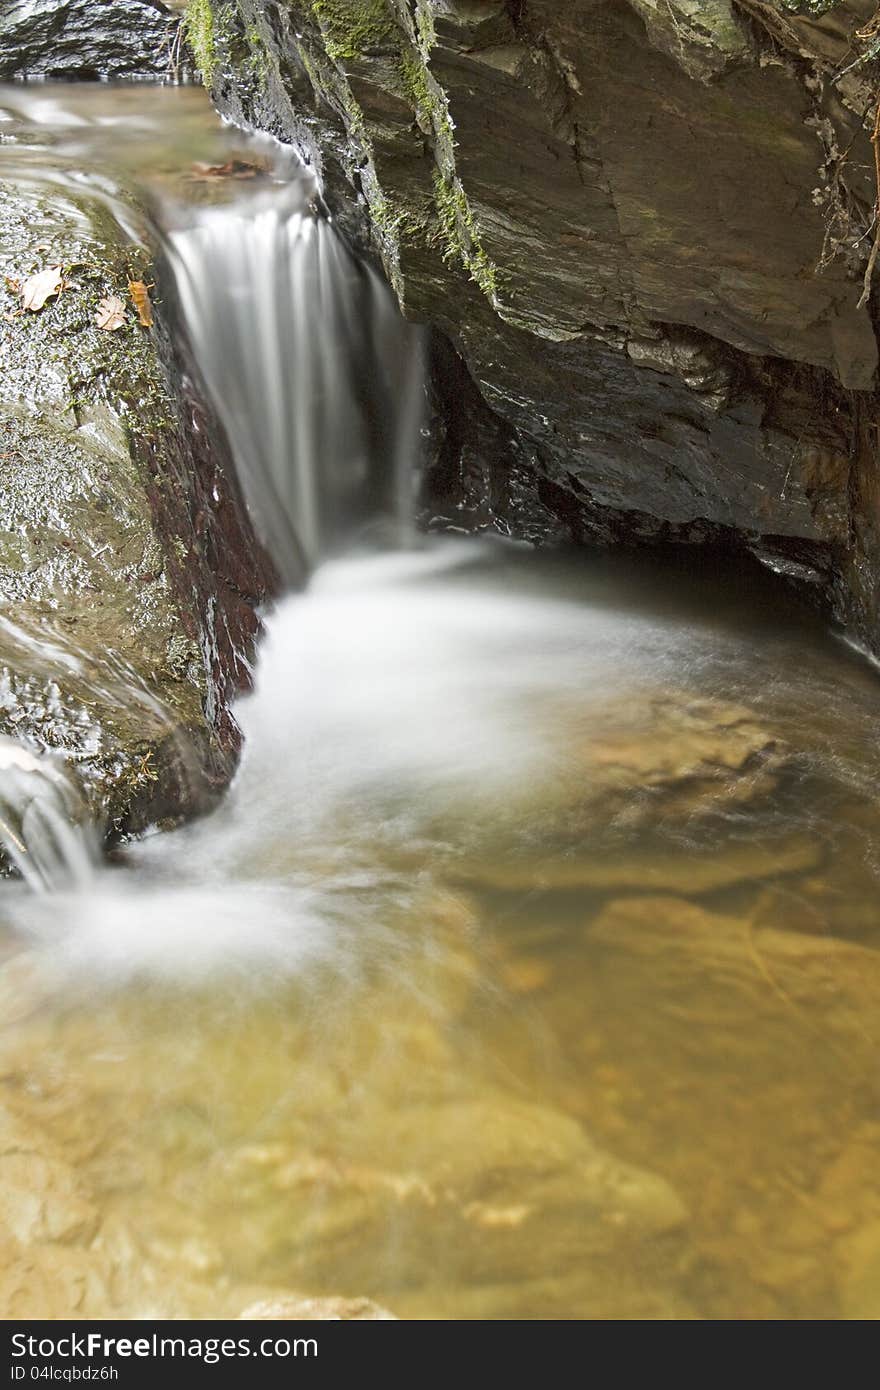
[430, 105]
[353, 27]
[460, 239]
[201, 35]
[816, 7]
[349, 29]
[425, 28]
[258, 62]
[426, 102]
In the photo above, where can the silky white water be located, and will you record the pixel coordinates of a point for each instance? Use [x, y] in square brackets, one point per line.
[530, 967]
[409, 710]
[311, 368]
[393, 696]
[44, 827]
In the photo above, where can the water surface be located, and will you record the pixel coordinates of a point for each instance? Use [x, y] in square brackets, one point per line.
[529, 970]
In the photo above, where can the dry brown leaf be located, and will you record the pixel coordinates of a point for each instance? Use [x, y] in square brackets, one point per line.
[232, 169]
[40, 287]
[140, 294]
[110, 313]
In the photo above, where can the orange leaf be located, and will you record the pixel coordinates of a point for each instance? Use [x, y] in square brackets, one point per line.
[110, 314]
[232, 169]
[40, 287]
[140, 294]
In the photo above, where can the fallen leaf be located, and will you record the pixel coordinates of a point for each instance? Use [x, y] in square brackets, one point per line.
[110, 314]
[140, 294]
[39, 288]
[232, 169]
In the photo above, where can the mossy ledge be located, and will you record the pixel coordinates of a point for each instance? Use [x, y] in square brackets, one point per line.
[199, 26]
[337, 41]
[353, 28]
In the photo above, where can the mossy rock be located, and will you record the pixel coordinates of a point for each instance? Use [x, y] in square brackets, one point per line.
[128, 575]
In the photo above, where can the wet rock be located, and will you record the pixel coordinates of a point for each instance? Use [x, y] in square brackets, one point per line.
[41, 1199]
[860, 1280]
[669, 755]
[847, 1194]
[526, 974]
[513, 1140]
[698, 871]
[651, 356]
[128, 574]
[505, 1171]
[819, 904]
[797, 977]
[53, 1282]
[645, 761]
[298, 1308]
[77, 39]
[676, 741]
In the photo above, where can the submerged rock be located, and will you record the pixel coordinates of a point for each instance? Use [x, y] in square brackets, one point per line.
[644, 228]
[263, 1165]
[500, 1188]
[689, 754]
[299, 1308]
[128, 573]
[697, 871]
[41, 1198]
[812, 984]
[645, 757]
[860, 1277]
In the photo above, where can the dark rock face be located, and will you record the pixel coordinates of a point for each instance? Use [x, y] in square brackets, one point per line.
[89, 39]
[642, 225]
[129, 576]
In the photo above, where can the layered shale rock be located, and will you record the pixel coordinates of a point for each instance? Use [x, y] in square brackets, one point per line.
[643, 226]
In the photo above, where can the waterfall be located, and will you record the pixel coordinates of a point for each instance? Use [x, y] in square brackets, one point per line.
[318, 382]
[313, 372]
[42, 828]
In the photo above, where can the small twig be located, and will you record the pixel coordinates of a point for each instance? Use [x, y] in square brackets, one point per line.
[875, 248]
[787, 476]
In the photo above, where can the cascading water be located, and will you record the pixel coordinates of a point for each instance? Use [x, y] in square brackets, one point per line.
[529, 968]
[318, 382]
[313, 372]
[43, 827]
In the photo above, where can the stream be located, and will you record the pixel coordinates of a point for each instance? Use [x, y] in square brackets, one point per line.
[531, 966]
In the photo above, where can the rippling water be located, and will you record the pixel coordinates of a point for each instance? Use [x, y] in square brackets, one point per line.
[530, 969]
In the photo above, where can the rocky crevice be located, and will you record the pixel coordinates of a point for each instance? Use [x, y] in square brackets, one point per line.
[643, 228]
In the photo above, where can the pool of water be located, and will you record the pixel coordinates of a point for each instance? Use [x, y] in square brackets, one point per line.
[529, 970]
